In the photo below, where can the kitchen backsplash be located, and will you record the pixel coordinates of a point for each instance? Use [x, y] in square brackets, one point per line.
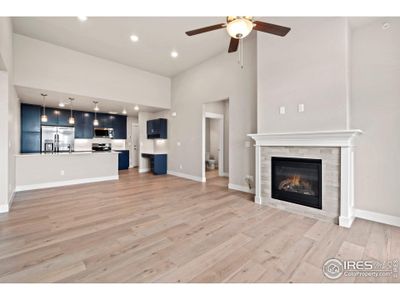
[86, 144]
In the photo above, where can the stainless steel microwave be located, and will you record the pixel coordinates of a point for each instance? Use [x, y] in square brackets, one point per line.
[104, 133]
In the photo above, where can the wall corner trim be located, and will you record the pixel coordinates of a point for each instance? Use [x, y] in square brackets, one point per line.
[377, 217]
[144, 170]
[241, 188]
[186, 176]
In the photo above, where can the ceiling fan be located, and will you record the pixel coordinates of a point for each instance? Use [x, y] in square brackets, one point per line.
[240, 27]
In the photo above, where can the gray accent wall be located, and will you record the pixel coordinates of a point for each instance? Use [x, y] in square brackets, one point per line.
[218, 78]
[375, 108]
[308, 66]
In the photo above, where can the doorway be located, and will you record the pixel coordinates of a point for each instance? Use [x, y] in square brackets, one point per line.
[134, 156]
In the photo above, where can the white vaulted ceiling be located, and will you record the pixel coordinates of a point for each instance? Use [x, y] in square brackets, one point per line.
[109, 38]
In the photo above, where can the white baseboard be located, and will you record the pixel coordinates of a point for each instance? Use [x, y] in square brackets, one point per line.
[63, 183]
[186, 176]
[144, 170]
[377, 217]
[242, 188]
[346, 222]
[6, 207]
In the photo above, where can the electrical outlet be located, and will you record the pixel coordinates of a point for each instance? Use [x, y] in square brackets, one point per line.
[62, 172]
[282, 110]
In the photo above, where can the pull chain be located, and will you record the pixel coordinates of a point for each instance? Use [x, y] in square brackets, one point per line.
[241, 54]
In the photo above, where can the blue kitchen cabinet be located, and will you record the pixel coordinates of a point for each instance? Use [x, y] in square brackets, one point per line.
[30, 117]
[30, 142]
[105, 120]
[52, 117]
[157, 129]
[83, 125]
[63, 117]
[30, 128]
[57, 117]
[119, 125]
[158, 163]
[123, 159]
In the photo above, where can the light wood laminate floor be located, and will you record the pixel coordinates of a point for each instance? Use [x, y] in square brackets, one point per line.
[146, 228]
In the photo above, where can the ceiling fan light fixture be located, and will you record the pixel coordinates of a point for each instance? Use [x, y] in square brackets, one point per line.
[240, 27]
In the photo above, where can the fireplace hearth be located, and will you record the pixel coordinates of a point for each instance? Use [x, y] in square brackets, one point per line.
[297, 180]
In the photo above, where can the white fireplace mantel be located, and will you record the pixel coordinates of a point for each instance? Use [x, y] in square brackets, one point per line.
[338, 138]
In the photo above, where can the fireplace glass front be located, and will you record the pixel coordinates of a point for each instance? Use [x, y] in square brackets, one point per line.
[297, 180]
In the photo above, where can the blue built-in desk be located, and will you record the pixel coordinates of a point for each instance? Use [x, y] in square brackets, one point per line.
[158, 162]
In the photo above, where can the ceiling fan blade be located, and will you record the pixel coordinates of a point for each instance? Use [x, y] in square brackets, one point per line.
[271, 28]
[233, 45]
[205, 29]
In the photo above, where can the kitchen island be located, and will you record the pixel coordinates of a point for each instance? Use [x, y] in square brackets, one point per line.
[46, 170]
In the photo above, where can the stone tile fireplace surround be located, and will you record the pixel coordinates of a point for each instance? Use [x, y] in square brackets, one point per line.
[334, 148]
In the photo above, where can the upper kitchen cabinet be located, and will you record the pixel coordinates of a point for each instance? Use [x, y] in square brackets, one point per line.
[119, 125]
[105, 120]
[57, 117]
[157, 129]
[117, 122]
[63, 117]
[83, 124]
[30, 118]
[30, 128]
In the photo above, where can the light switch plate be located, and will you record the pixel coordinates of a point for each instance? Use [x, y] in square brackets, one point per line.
[282, 110]
[300, 108]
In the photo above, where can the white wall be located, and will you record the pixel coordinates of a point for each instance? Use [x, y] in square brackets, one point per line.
[308, 67]
[9, 116]
[46, 66]
[375, 108]
[216, 79]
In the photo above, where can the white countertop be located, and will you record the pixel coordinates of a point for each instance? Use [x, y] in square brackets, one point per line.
[68, 153]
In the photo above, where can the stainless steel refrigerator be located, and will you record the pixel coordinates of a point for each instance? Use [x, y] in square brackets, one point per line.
[57, 139]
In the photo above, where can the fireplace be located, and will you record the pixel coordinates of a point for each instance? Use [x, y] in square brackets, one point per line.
[297, 180]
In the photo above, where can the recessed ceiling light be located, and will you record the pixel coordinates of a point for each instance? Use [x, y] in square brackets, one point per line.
[386, 25]
[124, 111]
[61, 104]
[82, 18]
[134, 38]
[136, 107]
[174, 54]
[112, 112]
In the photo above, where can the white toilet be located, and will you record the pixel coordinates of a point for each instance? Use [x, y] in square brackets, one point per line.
[211, 163]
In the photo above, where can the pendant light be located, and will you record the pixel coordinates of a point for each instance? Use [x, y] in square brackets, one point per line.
[71, 119]
[96, 109]
[43, 117]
